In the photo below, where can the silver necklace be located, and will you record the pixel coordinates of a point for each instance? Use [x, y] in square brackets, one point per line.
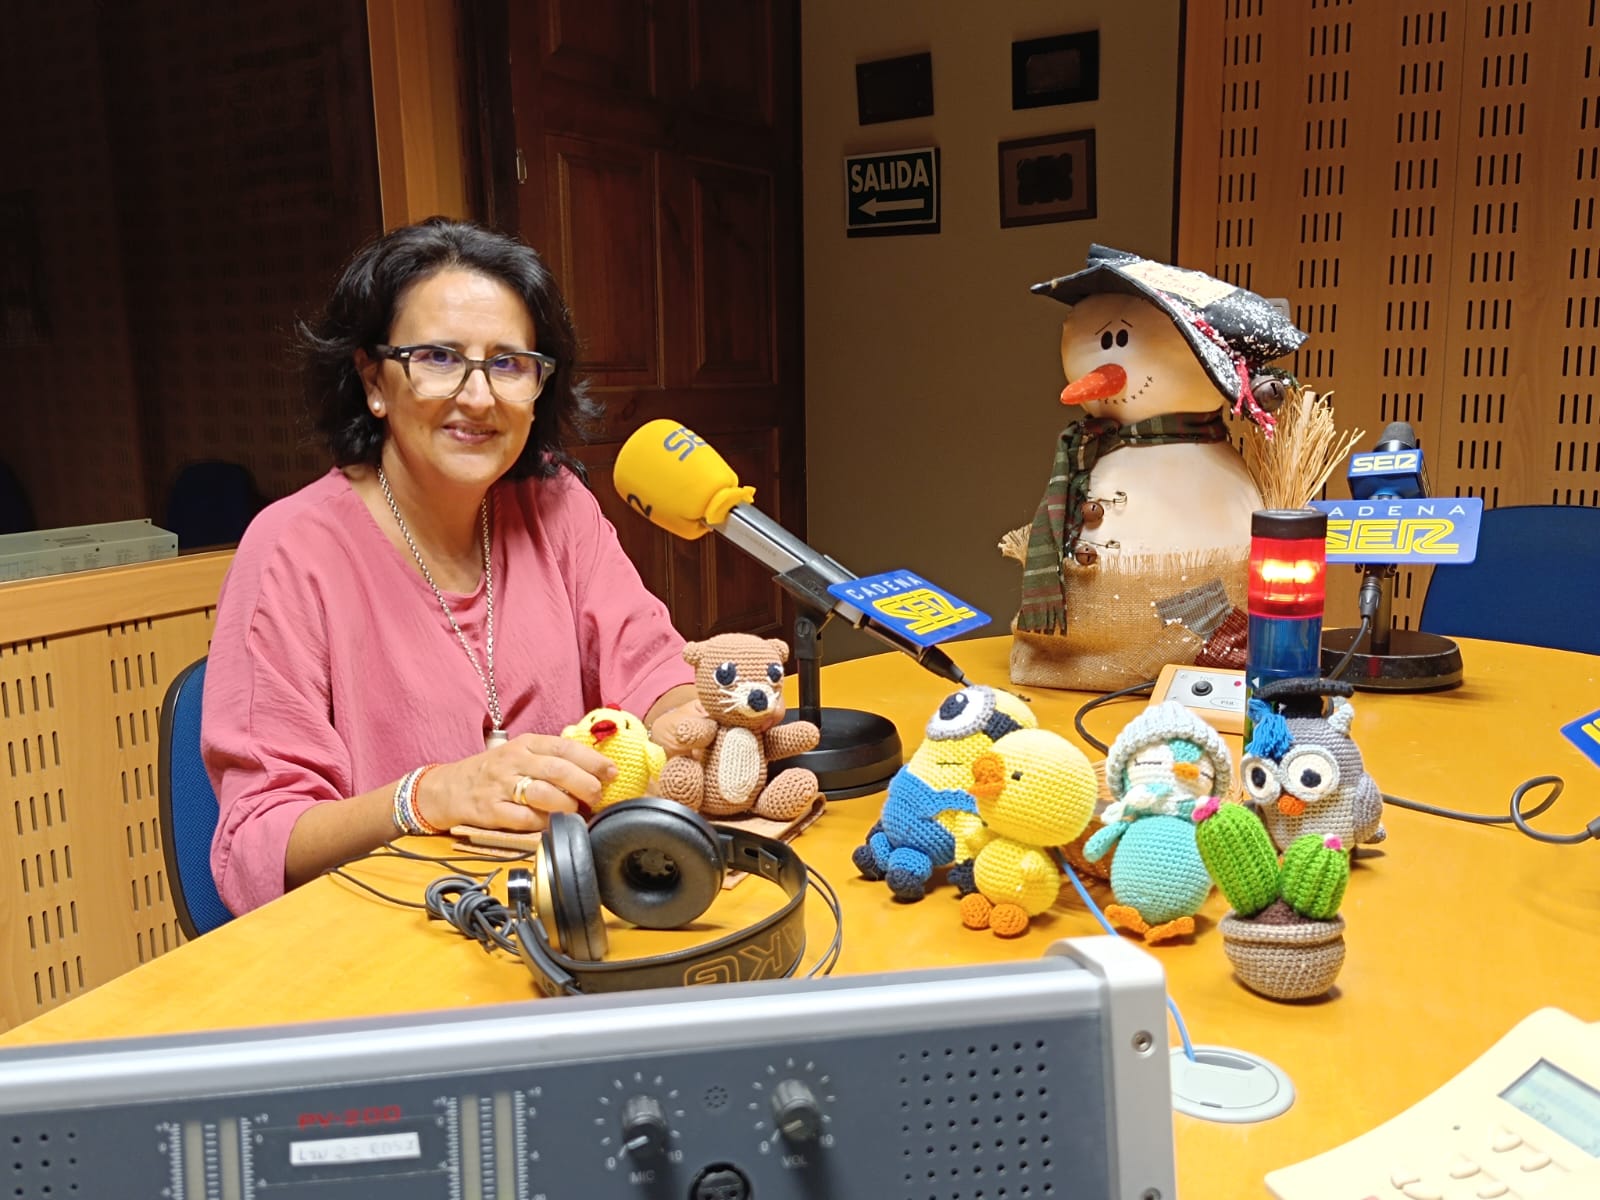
[497, 735]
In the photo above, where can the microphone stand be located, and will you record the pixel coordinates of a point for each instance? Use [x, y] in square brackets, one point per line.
[1395, 660]
[859, 751]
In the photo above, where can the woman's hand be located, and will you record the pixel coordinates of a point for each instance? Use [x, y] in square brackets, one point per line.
[487, 789]
[676, 730]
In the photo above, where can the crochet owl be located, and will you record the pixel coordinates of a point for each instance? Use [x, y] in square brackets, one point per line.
[929, 816]
[623, 738]
[1163, 763]
[1034, 790]
[738, 679]
[1303, 772]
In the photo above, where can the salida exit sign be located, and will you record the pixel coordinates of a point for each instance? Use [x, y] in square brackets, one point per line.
[892, 192]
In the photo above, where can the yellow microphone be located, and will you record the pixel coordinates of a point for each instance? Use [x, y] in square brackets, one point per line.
[670, 475]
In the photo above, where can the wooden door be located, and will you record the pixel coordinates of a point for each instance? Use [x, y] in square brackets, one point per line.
[658, 175]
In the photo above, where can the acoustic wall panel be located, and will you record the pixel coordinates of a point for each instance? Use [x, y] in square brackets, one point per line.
[1419, 178]
[85, 661]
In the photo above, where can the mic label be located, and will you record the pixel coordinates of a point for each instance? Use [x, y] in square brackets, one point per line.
[1382, 464]
[1584, 733]
[921, 611]
[686, 440]
[1402, 531]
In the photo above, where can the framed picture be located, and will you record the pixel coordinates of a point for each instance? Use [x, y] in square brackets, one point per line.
[1045, 179]
[894, 89]
[1055, 70]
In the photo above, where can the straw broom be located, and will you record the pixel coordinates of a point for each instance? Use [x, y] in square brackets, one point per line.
[1291, 467]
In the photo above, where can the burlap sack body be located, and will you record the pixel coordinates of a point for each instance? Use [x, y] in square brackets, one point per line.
[1126, 619]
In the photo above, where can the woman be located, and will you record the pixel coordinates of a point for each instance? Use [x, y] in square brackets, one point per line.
[395, 642]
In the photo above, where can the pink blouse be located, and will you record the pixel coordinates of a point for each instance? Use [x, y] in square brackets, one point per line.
[333, 671]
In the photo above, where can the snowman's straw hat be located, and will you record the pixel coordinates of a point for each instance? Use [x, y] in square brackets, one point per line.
[1231, 329]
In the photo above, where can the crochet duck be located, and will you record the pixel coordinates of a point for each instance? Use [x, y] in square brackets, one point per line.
[623, 738]
[929, 817]
[1163, 763]
[1034, 790]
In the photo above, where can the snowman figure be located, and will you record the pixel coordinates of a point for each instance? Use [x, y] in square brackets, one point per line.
[1138, 551]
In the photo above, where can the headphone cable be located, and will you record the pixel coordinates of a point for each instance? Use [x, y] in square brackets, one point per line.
[830, 956]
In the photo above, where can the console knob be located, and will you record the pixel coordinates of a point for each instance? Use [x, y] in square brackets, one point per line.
[644, 1126]
[796, 1111]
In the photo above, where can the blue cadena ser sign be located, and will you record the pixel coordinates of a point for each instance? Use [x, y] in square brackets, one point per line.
[923, 612]
[1584, 733]
[1433, 530]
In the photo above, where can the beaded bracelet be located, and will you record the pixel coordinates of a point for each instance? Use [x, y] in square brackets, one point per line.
[407, 818]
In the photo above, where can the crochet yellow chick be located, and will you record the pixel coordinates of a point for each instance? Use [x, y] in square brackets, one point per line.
[622, 738]
[1034, 790]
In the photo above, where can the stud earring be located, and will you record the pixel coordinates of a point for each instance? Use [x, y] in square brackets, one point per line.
[377, 407]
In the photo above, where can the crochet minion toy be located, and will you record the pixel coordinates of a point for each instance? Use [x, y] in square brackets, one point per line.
[1034, 790]
[1163, 763]
[929, 816]
[622, 738]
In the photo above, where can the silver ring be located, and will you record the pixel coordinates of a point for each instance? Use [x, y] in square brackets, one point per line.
[519, 794]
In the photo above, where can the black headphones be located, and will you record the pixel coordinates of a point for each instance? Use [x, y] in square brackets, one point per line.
[658, 865]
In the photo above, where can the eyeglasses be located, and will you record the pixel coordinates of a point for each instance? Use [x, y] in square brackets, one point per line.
[439, 373]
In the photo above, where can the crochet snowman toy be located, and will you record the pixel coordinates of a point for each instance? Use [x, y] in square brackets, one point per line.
[1138, 552]
[1163, 763]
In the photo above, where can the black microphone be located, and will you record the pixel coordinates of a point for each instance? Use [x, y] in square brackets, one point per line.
[1397, 435]
[1392, 471]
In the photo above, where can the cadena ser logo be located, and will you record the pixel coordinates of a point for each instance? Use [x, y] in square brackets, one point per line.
[923, 612]
[1442, 530]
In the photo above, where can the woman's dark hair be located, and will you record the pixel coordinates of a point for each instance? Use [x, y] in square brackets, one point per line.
[361, 311]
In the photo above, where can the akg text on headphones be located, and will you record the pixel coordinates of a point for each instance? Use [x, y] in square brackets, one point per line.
[658, 865]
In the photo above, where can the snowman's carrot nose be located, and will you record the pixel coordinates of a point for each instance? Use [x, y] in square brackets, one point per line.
[1102, 383]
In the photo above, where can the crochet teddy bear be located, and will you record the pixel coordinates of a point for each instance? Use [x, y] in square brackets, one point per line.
[739, 679]
[1163, 763]
[623, 738]
[929, 816]
[1034, 790]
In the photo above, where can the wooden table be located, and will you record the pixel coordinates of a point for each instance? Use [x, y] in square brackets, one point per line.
[1455, 931]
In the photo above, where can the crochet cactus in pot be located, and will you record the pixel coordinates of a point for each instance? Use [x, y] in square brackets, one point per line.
[1315, 872]
[1284, 936]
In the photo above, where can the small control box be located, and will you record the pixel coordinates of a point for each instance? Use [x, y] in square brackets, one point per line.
[1215, 694]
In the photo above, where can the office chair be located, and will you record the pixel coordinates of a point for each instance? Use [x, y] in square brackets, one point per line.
[210, 503]
[16, 514]
[1534, 581]
[188, 807]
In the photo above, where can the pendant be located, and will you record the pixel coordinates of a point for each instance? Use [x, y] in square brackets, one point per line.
[495, 737]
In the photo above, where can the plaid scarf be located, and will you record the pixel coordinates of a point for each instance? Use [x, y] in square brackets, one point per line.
[1059, 519]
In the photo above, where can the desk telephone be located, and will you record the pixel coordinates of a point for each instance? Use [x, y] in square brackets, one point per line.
[1520, 1123]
